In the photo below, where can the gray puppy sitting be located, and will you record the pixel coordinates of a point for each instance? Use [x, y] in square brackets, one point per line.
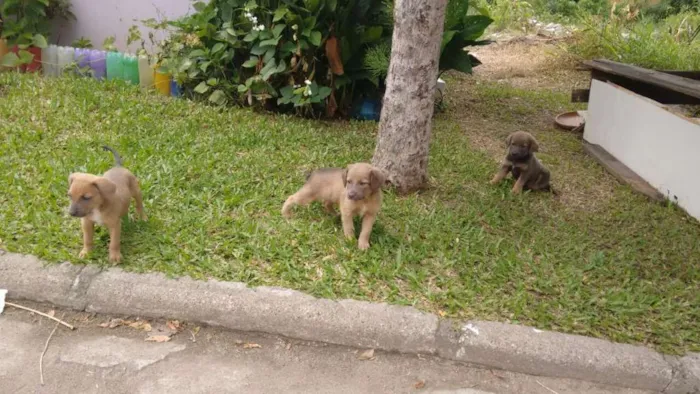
[528, 172]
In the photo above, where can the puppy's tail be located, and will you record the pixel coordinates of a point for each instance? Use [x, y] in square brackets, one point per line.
[117, 158]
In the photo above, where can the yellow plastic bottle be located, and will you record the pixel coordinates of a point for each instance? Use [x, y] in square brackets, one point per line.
[162, 82]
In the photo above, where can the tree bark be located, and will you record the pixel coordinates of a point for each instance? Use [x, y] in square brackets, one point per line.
[405, 125]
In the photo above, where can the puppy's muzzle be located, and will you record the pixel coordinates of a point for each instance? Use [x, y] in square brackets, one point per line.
[76, 212]
[354, 195]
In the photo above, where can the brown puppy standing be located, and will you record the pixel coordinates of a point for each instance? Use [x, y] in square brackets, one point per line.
[104, 200]
[520, 160]
[356, 190]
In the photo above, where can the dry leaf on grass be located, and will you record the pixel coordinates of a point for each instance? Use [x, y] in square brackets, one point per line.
[251, 346]
[366, 355]
[158, 338]
[419, 384]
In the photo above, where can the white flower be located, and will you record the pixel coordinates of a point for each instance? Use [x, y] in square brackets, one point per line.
[248, 15]
[261, 27]
[297, 86]
[307, 82]
[295, 36]
[254, 19]
[294, 27]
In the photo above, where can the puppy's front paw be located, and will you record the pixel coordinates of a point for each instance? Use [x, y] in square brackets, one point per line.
[516, 190]
[115, 257]
[362, 244]
[84, 253]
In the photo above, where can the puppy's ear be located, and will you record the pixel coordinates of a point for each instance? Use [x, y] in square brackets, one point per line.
[105, 186]
[345, 177]
[534, 145]
[377, 178]
[509, 139]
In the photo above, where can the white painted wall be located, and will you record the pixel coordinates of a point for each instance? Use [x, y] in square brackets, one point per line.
[99, 19]
[660, 146]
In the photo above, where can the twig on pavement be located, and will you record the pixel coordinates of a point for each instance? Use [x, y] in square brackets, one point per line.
[46, 346]
[40, 313]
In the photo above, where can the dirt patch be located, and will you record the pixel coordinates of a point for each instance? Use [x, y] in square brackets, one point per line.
[529, 62]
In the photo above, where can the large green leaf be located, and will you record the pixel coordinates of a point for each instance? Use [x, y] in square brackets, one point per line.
[10, 60]
[312, 5]
[40, 41]
[201, 88]
[446, 38]
[218, 97]
[315, 38]
[252, 62]
[280, 13]
[474, 26]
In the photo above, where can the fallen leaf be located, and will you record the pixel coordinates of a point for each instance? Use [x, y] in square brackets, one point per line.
[419, 384]
[113, 323]
[366, 355]
[251, 346]
[158, 338]
[141, 325]
[51, 313]
[174, 325]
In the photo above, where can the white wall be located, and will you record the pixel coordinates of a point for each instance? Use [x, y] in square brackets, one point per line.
[660, 146]
[99, 19]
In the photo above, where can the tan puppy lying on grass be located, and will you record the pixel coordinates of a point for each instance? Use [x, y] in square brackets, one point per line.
[356, 190]
[104, 200]
[528, 172]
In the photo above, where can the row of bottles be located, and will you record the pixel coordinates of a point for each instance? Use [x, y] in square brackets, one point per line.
[107, 65]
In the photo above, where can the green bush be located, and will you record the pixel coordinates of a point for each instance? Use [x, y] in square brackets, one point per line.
[669, 44]
[278, 53]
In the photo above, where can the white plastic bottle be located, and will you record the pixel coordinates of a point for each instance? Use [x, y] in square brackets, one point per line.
[49, 57]
[65, 58]
[146, 72]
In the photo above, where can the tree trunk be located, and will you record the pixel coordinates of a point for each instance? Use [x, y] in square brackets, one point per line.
[405, 126]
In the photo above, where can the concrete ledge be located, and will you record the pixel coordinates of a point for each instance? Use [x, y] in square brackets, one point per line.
[271, 310]
[350, 323]
[26, 277]
[527, 350]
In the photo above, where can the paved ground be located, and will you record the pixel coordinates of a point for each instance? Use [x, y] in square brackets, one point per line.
[94, 359]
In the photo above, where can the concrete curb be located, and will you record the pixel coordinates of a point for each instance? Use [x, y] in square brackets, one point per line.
[348, 322]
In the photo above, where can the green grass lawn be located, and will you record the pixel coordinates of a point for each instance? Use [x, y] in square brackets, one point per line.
[599, 261]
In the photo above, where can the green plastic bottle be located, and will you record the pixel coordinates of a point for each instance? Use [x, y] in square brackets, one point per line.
[131, 69]
[115, 65]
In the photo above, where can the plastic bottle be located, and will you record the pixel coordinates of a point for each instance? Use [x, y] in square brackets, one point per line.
[82, 57]
[115, 65]
[146, 73]
[162, 83]
[131, 69]
[175, 89]
[65, 58]
[49, 57]
[98, 63]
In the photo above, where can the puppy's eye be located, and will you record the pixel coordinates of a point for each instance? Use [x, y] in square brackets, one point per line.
[364, 183]
[86, 198]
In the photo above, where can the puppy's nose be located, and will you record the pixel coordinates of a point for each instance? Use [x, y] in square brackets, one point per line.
[352, 195]
[73, 212]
